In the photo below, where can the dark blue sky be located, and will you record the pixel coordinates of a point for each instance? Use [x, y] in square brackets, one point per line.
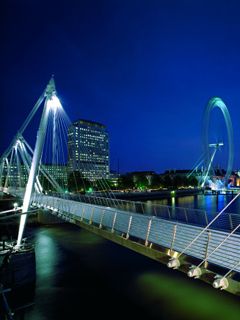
[145, 69]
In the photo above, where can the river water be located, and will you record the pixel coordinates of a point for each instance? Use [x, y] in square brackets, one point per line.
[80, 273]
[209, 203]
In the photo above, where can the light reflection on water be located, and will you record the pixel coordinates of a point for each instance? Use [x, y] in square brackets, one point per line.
[184, 299]
[78, 270]
[47, 258]
[210, 203]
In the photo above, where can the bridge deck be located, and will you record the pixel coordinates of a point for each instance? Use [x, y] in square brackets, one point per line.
[169, 234]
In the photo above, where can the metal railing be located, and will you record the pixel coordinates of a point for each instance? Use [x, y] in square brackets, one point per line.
[227, 221]
[208, 245]
[151, 229]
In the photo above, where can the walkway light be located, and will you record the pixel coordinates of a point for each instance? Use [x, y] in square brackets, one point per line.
[220, 283]
[15, 205]
[194, 272]
[173, 263]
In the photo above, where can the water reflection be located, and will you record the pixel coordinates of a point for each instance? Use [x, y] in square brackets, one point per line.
[209, 203]
[221, 202]
[183, 299]
[47, 257]
[173, 201]
[76, 271]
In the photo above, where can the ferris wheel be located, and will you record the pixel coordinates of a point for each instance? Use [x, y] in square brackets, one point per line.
[204, 166]
[210, 149]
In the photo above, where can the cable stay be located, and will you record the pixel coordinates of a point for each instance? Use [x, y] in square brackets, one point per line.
[196, 165]
[195, 271]
[215, 146]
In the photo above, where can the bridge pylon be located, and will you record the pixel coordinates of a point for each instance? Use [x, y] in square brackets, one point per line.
[51, 101]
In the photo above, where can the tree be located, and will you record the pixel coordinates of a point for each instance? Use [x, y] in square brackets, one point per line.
[192, 181]
[141, 182]
[178, 181]
[45, 183]
[156, 182]
[77, 182]
[102, 184]
[167, 181]
[126, 181]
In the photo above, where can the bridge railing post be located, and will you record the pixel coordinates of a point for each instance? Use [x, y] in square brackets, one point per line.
[69, 205]
[129, 226]
[206, 217]
[62, 206]
[100, 225]
[207, 246]
[114, 220]
[173, 237]
[186, 216]
[91, 217]
[155, 211]
[56, 204]
[230, 221]
[148, 232]
[83, 211]
[169, 213]
[135, 208]
[131, 206]
[66, 206]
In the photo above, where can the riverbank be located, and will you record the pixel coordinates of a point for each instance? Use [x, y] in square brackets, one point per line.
[156, 195]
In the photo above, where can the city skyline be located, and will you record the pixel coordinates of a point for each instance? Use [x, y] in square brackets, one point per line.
[145, 70]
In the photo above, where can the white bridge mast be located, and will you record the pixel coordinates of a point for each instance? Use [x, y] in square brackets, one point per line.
[49, 95]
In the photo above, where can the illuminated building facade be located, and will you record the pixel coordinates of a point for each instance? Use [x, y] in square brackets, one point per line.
[16, 176]
[58, 172]
[88, 149]
[19, 177]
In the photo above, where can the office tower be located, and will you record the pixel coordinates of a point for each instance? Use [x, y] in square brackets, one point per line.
[88, 149]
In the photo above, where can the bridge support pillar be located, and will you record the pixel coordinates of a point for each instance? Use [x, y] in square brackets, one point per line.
[46, 217]
[49, 92]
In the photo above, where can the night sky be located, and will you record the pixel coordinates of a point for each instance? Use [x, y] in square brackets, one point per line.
[145, 69]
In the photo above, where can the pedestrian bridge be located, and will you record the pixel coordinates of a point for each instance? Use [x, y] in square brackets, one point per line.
[199, 251]
[183, 239]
